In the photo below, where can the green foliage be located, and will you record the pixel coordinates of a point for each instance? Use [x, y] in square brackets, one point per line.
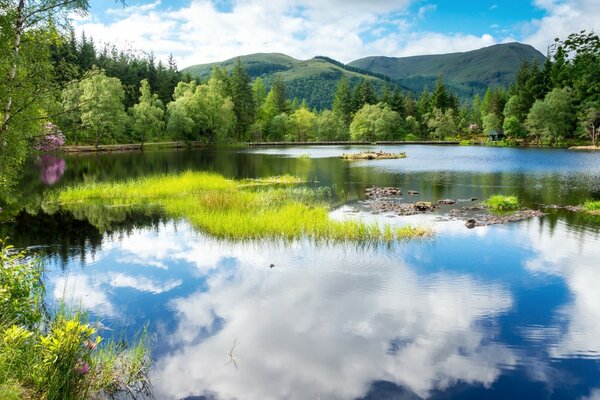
[592, 206]
[242, 95]
[234, 209]
[442, 124]
[491, 123]
[201, 112]
[57, 357]
[96, 108]
[502, 203]
[376, 122]
[330, 127]
[343, 106]
[21, 292]
[552, 119]
[513, 128]
[301, 126]
[148, 114]
[276, 102]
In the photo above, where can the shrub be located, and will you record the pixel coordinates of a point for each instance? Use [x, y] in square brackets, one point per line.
[59, 356]
[502, 203]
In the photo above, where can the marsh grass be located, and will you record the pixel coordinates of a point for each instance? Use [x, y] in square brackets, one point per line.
[500, 202]
[593, 207]
[270, 208]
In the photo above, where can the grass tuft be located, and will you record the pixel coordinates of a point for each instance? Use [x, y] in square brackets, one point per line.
[502, 203]
[593, 207]
[249, 209]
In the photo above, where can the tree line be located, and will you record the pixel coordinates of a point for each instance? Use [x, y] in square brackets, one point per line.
[104, 95]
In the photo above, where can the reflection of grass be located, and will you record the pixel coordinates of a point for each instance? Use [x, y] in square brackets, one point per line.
[235, 209]
[499, 202]
[592, 207]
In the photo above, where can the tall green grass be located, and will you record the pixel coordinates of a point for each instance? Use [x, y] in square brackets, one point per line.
[502, 203]
[249, 209]
[592, 206]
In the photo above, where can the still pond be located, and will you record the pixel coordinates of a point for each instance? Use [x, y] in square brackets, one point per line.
[494, 312]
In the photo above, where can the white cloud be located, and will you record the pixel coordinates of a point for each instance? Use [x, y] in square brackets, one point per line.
[199, 32]
[562, 19]
[426, 9]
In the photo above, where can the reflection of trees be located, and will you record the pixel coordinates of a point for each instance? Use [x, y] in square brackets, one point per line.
[73, 234]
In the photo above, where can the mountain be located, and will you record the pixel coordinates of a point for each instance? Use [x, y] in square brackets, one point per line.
[465, 73]
[314, 80]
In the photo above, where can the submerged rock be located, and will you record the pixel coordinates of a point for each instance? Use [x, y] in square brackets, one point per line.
[446, 201]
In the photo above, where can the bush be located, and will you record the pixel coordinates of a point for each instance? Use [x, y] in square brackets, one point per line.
[57, 357]
[502, 203]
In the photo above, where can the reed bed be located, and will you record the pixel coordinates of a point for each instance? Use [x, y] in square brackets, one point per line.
[271, 208]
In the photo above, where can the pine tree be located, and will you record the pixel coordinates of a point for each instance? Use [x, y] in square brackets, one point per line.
[342, 102]
[242, 96]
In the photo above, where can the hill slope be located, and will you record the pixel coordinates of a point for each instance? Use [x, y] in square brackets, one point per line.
[466, 73]
[314, 80]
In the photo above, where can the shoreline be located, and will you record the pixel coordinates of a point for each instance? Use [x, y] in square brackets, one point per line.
[585, 148]
[132, 147]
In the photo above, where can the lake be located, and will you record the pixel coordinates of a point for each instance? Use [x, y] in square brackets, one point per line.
[495, 312]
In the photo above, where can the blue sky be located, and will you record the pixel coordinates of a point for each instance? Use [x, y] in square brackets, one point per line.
[200, 31]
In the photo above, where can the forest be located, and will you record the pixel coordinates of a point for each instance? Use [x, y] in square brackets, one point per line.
[66, 89]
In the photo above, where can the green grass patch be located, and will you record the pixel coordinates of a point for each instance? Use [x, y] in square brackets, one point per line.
[271, 208]
[502, 203]
[593, 207]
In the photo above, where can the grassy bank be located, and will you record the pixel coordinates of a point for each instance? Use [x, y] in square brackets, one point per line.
[502, 203]
[250, 209]
[593, 207]
[59, 355]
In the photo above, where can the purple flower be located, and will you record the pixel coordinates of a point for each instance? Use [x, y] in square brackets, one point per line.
[50, 138]
[83, 368]
[52, 168]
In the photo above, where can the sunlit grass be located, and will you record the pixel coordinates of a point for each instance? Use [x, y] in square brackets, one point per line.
[592, 207]
[269, 208]
[499, 202]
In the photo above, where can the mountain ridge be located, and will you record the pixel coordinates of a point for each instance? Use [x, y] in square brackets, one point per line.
[315, 79]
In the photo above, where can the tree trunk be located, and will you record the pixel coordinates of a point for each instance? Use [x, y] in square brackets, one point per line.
[19, 26]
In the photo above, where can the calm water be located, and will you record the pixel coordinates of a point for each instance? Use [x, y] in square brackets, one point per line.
[510, 311]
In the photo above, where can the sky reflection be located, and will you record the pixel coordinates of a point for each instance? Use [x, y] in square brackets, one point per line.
[329, 321]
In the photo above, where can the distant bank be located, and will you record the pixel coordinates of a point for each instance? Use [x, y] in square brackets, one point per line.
[180, 145]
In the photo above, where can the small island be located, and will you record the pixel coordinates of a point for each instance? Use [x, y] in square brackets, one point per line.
[373, 155]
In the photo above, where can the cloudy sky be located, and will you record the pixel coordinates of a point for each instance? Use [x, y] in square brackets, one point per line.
[201, 31]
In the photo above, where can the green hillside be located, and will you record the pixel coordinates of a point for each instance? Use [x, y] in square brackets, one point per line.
[314, 80]
[465, 73]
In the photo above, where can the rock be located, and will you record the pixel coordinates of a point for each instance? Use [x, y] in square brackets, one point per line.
[471, 223]
[473, 199]
[378, 192]
[424, 206]
[413, 192]
[446, 201]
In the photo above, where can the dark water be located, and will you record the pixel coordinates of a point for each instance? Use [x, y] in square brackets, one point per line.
[508, 311]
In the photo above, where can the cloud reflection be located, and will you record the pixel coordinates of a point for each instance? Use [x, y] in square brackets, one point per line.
[326, 324]
[573, 256]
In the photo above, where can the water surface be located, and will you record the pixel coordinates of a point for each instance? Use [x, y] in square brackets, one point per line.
[494, 312]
